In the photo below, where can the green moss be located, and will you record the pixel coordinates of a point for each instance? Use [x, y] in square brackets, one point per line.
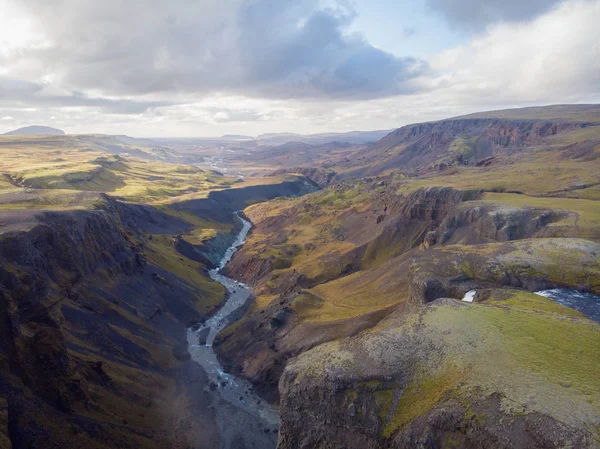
[550, 343]
[526, 300]
[384, 400]
[307, 305]
[161, 251]
[463, 145]
[424, 391]
[467, 268]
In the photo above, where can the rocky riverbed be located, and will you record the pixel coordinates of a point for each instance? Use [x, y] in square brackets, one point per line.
[244, 419]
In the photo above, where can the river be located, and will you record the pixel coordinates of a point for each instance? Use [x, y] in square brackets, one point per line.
[237, 392]
[586, 303]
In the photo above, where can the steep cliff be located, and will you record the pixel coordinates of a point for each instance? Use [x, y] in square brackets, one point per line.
[94, 336]
[94, 308]
[436, 145]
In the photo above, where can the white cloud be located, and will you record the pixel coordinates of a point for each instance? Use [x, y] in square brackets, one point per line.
[177, 73]
[265, 48]
[555, 58]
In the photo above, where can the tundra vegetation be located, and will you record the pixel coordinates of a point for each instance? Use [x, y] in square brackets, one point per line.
[358, 258]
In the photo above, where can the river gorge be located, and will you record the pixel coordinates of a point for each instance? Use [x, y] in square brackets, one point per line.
[235, 391]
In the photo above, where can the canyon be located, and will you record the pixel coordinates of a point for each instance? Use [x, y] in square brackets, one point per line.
[338, 321]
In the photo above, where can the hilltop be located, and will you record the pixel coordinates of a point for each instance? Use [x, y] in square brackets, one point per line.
[35, 130]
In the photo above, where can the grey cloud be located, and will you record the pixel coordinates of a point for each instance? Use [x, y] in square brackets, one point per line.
[29, 94]
[316, 58]
[475, 15]
[265, 48]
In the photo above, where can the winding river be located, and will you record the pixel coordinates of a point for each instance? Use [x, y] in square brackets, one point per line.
[238, 392]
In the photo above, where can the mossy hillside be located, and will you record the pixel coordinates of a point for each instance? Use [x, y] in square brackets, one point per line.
[313, 235]
[329, 234]
[307, 305]
[424, 392]
[560, 112]
[68, 169]
[263, 301]
[534, 172]
[532, 353]
[357, 294]
[576, 136]
[515, 298]
[532, 356]
[160, 251]
[465, 146]
[15, 199]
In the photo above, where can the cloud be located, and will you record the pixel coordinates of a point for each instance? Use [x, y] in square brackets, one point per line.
[555, 58]
[227, 115]
[265, 48]
[308, 55]
[21, 93]
[214, 67]
[477, 14]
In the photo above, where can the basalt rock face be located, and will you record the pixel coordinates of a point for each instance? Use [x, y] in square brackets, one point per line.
[319, 176]
[92, 335]
[220, 204]
[474, 223]
[429, 144]
[210, 252]
[400, 222]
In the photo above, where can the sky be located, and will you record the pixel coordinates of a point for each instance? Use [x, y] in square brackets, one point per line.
[182, 68]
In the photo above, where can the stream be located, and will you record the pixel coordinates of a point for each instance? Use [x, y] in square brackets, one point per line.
[233, 390]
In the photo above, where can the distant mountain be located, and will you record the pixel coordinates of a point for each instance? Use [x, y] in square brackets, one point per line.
[470, 139]
[135, 140]
[236, 137]
[354, 137]
[278, 135]
[35, 130]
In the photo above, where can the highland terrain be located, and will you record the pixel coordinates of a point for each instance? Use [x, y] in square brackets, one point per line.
[362, 250]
